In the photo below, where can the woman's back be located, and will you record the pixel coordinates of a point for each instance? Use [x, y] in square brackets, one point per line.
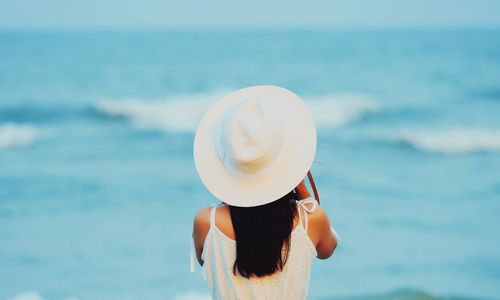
[219, 254]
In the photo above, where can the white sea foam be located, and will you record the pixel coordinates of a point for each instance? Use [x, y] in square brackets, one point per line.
[29, 295]
[337, 110]
[452, 141]
[182, 114]
[16, 135]
[192, 295]
[32, 295]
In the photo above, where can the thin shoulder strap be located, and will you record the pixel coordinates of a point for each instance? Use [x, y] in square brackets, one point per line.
[298, 211]
[306, 218]
[302, 203]
[212, 215]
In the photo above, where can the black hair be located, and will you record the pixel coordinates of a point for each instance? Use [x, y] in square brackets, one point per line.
[263, 236]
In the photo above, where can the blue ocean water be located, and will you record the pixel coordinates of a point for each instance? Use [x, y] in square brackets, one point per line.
[98, 188]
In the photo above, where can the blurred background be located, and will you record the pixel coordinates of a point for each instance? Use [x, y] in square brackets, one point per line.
[99, 101]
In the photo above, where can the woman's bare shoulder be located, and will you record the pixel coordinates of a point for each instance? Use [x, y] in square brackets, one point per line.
[318, 214]
[202, 218]
[318, 222]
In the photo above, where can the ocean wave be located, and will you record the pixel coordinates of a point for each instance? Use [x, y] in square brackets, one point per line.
[29, 295]
[16, 135]
[193, 295]
[32, 295]
[38, 113]
[451, 141]
[173, 115]
[336, 110]
[403, 294]
[183, 113]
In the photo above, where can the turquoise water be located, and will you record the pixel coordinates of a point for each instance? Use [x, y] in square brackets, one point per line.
[98, 187]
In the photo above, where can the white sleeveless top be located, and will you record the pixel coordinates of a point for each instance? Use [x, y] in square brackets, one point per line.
[219, 254]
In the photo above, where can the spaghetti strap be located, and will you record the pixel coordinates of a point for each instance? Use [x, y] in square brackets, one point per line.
[306, 221]
[212, 215]
[302, 203]
[298, 211]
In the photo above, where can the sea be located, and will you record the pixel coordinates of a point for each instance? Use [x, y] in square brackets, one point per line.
[98, 188]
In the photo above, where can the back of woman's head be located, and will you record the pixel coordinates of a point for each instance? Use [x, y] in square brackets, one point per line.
[263, 236]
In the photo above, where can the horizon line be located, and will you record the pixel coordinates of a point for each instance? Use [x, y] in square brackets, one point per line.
[145, 28]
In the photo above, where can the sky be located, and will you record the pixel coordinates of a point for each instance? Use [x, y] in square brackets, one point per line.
[68, 14]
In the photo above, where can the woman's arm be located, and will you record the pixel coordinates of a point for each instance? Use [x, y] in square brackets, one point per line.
[201, 225]
[327, 241]
[328, 238]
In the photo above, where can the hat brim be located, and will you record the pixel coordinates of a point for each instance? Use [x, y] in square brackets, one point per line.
[297, 160]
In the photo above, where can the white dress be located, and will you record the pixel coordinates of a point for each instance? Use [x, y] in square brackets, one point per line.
[219, 254]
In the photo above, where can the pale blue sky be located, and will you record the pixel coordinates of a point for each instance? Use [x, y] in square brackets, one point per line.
[63, 14]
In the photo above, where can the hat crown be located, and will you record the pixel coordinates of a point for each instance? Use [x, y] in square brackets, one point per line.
[253, 142]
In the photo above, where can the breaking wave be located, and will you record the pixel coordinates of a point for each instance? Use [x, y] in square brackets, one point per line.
[336, 110]
[13, 135]
[182, 114]
[172, 116]
[33, 295]
[452, 141]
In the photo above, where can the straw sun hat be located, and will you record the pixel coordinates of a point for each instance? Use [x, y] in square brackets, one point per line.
[255, 145]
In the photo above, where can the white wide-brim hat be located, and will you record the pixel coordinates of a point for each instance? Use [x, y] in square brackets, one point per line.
[255, 145]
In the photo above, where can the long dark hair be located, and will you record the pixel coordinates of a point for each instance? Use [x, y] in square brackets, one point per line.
[263, 236]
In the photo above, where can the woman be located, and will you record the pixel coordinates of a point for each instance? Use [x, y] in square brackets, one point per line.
[252, 151]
